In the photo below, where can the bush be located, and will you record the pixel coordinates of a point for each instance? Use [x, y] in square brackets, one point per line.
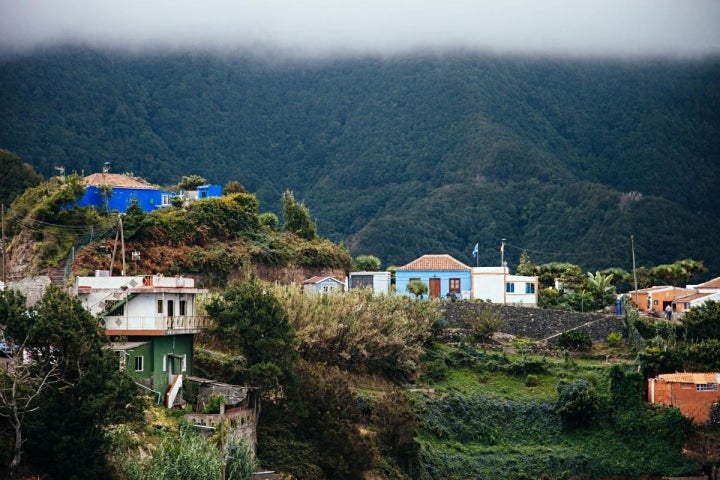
[435, 370]
[484, 324]
[714, 418]
[532, 380]
[577, 402]
[614, 338]
[574, 340]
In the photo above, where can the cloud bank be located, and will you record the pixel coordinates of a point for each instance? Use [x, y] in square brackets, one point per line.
[678, 28]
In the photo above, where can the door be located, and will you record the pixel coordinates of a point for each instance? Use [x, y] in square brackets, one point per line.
[434, 288]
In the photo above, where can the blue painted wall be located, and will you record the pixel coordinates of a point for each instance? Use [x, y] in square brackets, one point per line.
[122, 197]
[402, 278]
[209, 191]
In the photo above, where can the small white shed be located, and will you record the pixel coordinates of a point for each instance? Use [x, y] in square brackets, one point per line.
[378, 281]
[323, 285]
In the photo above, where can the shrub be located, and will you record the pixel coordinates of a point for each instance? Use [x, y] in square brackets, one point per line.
[714, 418]
[577, 402]
[614, 338]
[532, 380]
[214, 403]
[435, 370]
[484, 324]
[574, 340]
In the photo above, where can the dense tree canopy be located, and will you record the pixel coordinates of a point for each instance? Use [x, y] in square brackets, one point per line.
[90, 391]
[405, 156]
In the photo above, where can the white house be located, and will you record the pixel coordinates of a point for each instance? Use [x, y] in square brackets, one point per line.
[497, 285]
[152, 321]
[378, 281]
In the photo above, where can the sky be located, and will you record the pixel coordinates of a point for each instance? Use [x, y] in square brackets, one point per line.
[605, 28]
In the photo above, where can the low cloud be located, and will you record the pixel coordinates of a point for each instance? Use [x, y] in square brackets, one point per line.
[680, 28]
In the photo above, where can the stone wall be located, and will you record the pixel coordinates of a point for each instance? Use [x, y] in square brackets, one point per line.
[534, 323]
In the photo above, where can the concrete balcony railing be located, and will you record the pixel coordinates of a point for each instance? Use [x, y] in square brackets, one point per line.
[188, 324]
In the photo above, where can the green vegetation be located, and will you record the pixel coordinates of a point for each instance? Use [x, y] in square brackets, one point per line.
[15, 177]
[72, 372]
[578, 422]
[564, 158]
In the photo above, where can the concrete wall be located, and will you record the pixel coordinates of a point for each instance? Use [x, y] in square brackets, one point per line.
[534, 323]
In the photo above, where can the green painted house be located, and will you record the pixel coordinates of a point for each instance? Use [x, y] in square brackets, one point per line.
[152, 322]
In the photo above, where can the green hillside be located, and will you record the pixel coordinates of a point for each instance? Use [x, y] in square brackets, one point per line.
[404, 156]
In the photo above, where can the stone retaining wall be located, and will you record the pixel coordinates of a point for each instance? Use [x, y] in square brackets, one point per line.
[534, 323]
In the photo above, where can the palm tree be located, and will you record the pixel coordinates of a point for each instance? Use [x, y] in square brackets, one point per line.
[600, 288]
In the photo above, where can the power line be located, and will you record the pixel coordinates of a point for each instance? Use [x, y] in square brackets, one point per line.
[567, 254]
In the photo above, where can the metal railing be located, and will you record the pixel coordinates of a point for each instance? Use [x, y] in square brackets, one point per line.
[157, 323]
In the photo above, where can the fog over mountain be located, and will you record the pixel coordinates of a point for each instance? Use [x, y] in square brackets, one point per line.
[676, 28]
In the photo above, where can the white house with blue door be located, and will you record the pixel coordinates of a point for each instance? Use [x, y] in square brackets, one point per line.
[445, 276]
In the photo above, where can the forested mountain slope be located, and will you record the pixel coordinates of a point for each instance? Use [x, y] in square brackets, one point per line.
[404, 156]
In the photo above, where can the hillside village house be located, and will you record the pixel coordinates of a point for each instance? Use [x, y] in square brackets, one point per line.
[152, 320]
[444, 276]
[692, 393]
[323, 285]
[656, 299]
[703, 292]
[497, 285]
[447, 277]
[112, 191]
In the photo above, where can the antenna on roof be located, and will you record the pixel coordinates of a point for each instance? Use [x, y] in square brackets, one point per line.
[61, 170]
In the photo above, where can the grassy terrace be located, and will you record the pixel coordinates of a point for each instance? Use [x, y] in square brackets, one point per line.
[493, 415]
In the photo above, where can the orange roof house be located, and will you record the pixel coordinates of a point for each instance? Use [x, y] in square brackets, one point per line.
[692, 393]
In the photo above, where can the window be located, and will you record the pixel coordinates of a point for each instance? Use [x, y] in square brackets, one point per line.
[410, 280]
[165, 199]
[170, 308]
[707, 387]
[184, 363]
[454, 285]
[165, 358]
[159, 306]
[182, 308]
[529, 288]
[510, 287]
[139, 363]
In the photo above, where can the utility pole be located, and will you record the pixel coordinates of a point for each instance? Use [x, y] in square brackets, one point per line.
[122, 243]
[632, 247]
[2, 241]
[504, 270]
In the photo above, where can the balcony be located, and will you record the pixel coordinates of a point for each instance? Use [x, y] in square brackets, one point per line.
[155, 325]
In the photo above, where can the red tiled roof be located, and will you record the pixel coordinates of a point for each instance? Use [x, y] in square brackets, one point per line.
[116, 180]
[435, 262]
[695, 378]
[714, 283]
